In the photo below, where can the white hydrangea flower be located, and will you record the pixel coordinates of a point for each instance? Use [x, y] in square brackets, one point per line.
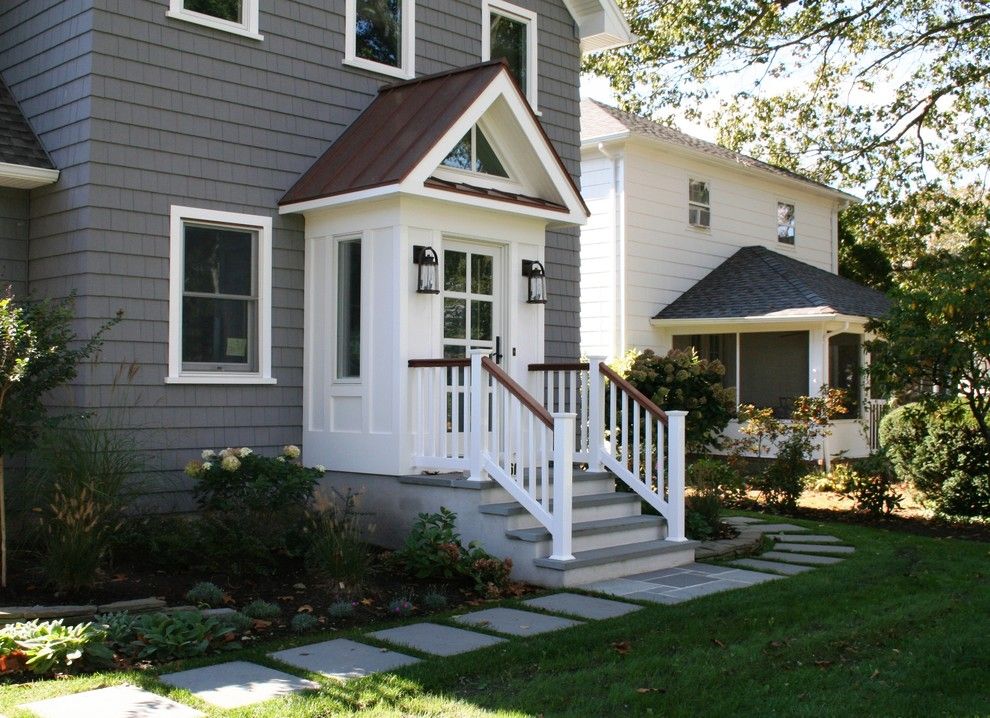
[226, 452]
[279, 458]
[207, 466]
[208, 454]
[230, 463]
[244, 451]
[291, 451]
[321, 468]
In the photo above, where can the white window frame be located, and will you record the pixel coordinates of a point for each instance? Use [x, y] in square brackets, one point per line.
[528, 18]
[335, 318]
[407, 68]
[256, 223]
[776, 216]
[248, 28]
[699, 205]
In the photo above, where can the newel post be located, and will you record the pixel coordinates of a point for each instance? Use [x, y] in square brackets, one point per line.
[563, 468]
[676, 455]
[596, 414]
[474, 429]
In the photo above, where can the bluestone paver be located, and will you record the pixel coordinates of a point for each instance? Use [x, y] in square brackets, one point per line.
[780, 528]
[813, 548]
[436, 639]
[342, 658]
[748, 578]
[743, 520]
[683, 580]
[238, 683]
[791, 557]
[788, 569]
[619, 586]
[583, 606]
[806, 538]
[115, 702]
[515, 622]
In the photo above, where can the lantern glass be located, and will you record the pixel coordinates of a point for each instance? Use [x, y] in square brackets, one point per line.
[428, 270]
[537, 282]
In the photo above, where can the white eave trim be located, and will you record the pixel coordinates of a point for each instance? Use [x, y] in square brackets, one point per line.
[601, 25]
[760, 319]
[25, 176]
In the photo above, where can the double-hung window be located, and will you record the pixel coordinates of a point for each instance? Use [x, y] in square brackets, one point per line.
[785, 223]
[380, 36]
[509, 32]
[219, 297]
[237, 16]
[699, 204]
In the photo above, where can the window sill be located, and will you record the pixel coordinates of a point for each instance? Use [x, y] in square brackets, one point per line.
[219, 378]
[378, 67]
[206, 21]
[700, 228]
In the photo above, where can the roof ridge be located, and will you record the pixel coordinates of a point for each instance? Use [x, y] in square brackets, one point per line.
[773, 260]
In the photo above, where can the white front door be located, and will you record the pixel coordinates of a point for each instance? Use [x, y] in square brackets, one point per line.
[472, 299]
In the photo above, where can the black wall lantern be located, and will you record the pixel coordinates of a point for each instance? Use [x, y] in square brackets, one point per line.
[537, 276]
[428, 273]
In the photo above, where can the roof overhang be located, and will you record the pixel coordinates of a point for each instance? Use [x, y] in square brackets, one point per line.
[25, 176]
[601, 25]
[783, 319]
[616, 141]
[537, 160]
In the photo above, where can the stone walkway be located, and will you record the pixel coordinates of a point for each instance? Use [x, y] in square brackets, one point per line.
[240, 683]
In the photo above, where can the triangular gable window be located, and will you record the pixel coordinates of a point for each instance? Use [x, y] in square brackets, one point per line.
[475, 153]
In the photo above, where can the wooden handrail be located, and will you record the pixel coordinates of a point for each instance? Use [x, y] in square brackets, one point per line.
[635, 393]
[517, 391]
[430, 363]
[562, 366]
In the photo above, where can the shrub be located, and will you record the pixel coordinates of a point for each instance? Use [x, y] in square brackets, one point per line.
[183, 634]
[841, 479]
[262, 610]
[157, 542]
[709, 475]
[336, 550]
[490, 574]
[82, 480]
[950, 464]
[781, 484]
[341, 610]
[872, 486]
[254, 507]
[239, 622]
[683, 381]
[41, 647]
[400, 606]
[303, 622]
[206, 594]
[433, 601]
[119, 627]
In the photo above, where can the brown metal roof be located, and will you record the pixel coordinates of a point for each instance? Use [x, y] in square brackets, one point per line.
[390, 138]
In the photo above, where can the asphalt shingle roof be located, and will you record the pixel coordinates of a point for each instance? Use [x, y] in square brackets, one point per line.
[18, 143]
[758, 282]
[601, 120]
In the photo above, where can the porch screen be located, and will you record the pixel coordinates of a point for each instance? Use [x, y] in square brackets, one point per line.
[845, 369]
[721, 347]
[773, 369]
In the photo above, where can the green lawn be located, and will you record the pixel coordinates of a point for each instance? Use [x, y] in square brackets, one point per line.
[900, 628]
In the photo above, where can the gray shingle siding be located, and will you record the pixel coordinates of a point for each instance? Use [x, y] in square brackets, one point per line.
[141, 112]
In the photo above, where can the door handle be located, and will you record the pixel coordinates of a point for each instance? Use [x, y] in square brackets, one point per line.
[497, 354]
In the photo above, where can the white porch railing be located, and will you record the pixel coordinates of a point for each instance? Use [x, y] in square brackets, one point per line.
[491, 427]
[565, 388]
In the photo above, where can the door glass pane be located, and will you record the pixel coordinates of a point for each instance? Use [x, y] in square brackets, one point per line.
[223, 9]
[454, 316]
[454, 271]
[349, 308]
[377, 31]
[481, 274]
[218, 260]
[508, 40]
[453, 352]
[215, 331]
[481, 320]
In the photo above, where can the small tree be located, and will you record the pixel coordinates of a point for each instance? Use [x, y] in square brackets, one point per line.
[34, 358]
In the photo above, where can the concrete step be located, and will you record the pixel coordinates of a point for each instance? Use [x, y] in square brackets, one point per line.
[606, 563]
[600, 533]
[588, 507]
[583, 483]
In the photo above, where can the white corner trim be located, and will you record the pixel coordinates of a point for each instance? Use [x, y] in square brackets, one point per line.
[528, 18]
[248, 28]
[407, 66]
[263, 226]
[25, 176]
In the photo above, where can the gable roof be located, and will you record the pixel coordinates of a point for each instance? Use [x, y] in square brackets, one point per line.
[23, 161]
[387, 147]
[603, 122]
[758, 283]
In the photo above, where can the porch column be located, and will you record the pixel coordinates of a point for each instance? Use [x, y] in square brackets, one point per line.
[818, 376]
